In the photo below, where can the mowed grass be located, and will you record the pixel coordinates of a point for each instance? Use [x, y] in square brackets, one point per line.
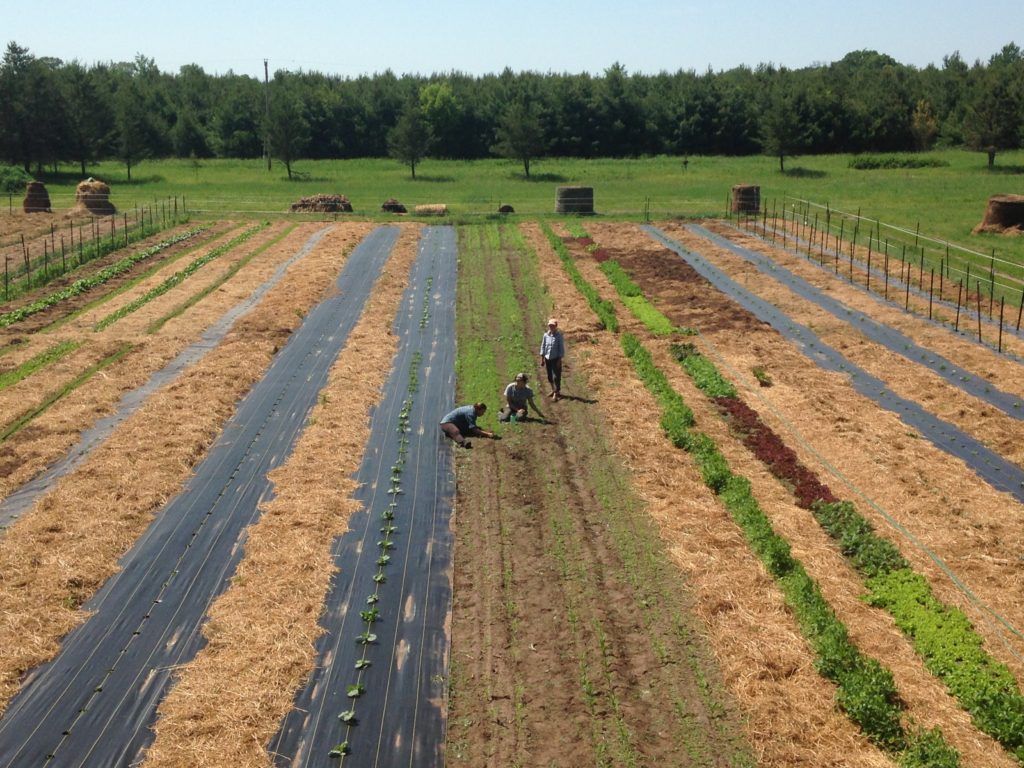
[945, 202]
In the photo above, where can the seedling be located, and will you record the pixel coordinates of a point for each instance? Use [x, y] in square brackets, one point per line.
[762, 376]
[365, 638]
[355, 690]
[339, 750]
[348, 716]
[370, 615]
[371, 599]
[362, 663]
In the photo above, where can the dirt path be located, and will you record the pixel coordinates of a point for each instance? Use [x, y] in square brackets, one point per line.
[572, 641]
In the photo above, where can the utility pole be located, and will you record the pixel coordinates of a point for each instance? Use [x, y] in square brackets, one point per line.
[266, 115]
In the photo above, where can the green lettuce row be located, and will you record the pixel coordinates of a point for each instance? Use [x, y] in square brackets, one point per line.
[603, 308]
[88, 283]
[177, 278]
[866, 691]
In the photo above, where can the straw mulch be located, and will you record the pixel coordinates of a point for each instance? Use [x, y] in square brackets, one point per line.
[52, 560]
[764, 659]
[872, 630]
[228, 703]
[943, 505]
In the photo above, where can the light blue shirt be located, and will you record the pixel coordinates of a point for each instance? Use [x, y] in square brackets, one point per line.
[464, 418]
[552, 346]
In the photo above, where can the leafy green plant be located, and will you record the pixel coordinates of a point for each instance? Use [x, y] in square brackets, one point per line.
[762, 376]
[604, 309]
[178, 277]
[89, 283]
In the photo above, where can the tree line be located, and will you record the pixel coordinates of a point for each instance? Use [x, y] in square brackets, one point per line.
[54, 112]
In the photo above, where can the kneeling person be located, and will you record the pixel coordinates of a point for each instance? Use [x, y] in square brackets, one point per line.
[517, 396]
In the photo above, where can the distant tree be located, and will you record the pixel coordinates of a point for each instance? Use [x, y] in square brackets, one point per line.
[520, 134]
[924, 126]
[289, 131]
[443, 114]
[410, 140]
[133, 126]
[90, 119]
[785, 129]
[993, 120]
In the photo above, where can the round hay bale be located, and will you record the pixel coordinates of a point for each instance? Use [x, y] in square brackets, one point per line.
[574, 200]
[37, 199]
[94, 196]
[322, 203]
[431, 209]
[746, 198]
[506, 209]
[1004, 214]
[391, 205]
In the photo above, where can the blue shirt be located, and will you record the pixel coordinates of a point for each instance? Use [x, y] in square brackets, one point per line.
[552, 346]
[464, 418]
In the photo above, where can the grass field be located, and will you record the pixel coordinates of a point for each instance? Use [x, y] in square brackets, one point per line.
[945, 202]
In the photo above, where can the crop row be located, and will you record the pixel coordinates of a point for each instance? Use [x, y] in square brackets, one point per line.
[865, 689]
[89, 283]
[603, 308]
[943, 635]
[98, 247]
[179, 277]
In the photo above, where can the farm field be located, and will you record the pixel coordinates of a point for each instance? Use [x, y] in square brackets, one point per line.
[758, 529]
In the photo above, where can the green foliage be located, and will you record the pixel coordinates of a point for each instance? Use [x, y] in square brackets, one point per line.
[178, 277]
[603, 308]
[877, 162]
[13, 180]
[43, 359]
[927, 749]
[88, 283]
[703, 372]
[866, 690]
[954, 653]
[633, 297]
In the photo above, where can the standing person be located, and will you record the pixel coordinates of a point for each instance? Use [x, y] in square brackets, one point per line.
[552, 350]
[461, 423]
[517, 395]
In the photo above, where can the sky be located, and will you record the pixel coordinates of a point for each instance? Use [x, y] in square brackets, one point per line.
[486, 36]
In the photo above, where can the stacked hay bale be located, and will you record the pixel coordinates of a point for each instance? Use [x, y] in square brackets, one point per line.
[1004, 214]
[37, 199]
[746, 198]
[391, 205]
[574, 200]
[94, 196]
[431, 209]
[322, 203]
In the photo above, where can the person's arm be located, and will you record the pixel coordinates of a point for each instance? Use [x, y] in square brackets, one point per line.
[534, 406]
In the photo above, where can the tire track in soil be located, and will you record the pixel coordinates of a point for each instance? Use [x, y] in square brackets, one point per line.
[581, 679]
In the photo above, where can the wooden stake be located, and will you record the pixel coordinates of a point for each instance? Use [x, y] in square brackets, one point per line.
[887, 276]
[979, 310]
[1002, 303]
[1020, 310]
[959, 295]
[931, 287]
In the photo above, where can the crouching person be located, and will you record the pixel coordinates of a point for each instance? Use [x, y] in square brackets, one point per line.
[518, 396]
[461, 423]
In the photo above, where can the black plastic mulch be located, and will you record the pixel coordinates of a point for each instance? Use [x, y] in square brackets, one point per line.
[93, 704]
[23, 498]
[888, 337]
[993, 468]
[399, 718]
